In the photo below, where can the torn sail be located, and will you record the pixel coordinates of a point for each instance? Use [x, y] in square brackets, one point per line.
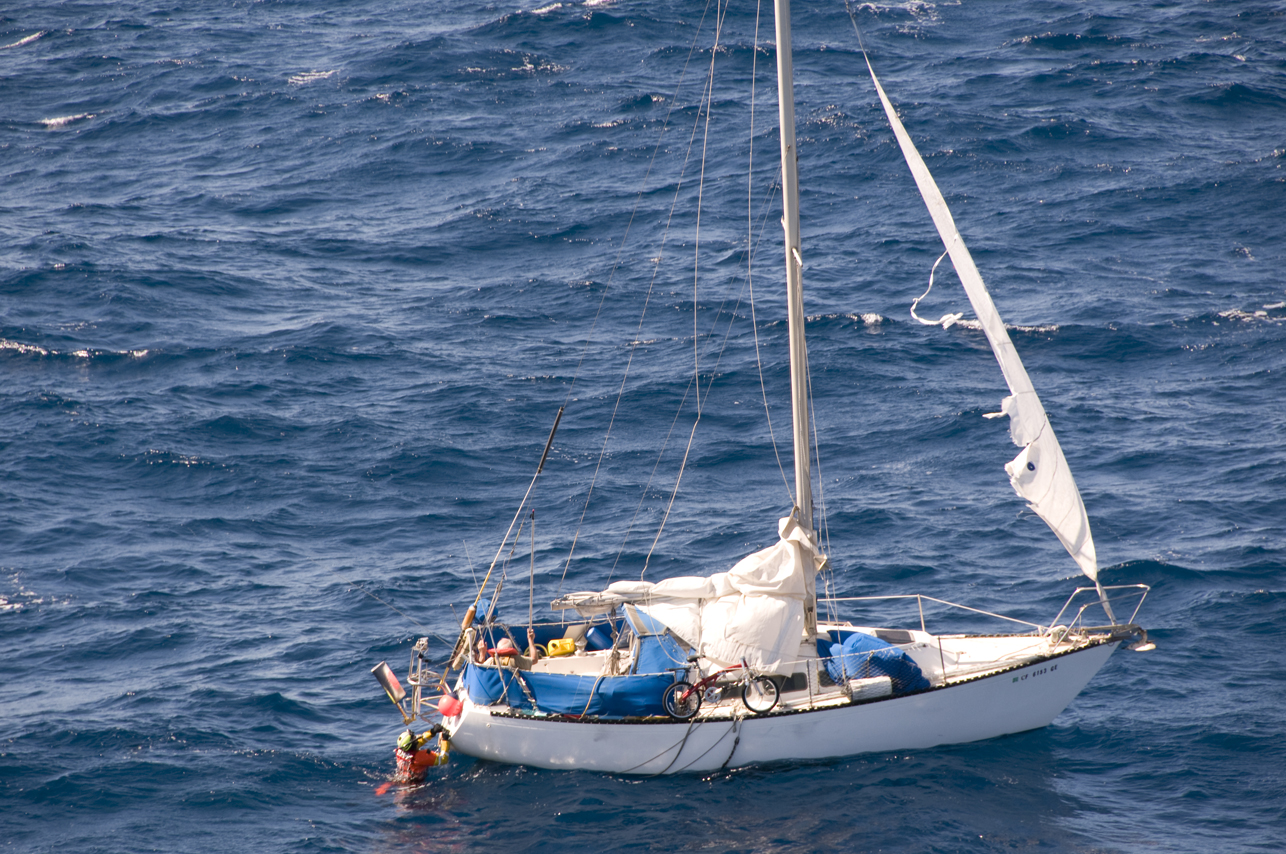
[1039, 473]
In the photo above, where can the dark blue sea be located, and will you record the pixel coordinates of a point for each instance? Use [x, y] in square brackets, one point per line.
[291, 292]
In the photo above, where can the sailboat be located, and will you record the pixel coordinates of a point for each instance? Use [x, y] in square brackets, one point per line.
[699, 673]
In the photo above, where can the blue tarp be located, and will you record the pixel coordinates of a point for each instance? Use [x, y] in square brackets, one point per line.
[660, 654]
[659, 650]
[488, 685]
[555, 693]
[862, 656]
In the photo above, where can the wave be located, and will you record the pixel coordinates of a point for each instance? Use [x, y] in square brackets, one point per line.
[976, 326]
[306, 77]
[22, 42]
[81, 353]
[1075, 41]
[63, 121]
[1253, 316]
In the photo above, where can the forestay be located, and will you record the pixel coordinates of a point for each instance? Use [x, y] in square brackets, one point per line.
[1039, 473]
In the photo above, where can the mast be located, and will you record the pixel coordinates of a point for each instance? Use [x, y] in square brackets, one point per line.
[795, 298]
[794, 266]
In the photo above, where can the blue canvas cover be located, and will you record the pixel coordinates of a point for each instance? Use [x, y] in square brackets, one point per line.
[660, 654]
[659, 650]
[862, 656]
[556, 693]
[488, 685]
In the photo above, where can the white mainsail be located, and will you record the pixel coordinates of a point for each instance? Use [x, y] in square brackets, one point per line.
[1039, 473]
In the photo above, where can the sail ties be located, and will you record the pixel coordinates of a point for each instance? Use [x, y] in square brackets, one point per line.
[946, 321]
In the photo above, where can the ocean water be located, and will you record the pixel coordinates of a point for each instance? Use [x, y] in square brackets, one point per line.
[291, 292]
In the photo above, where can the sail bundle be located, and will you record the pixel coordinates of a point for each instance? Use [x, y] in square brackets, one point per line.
[1039, 474]
[754, 612]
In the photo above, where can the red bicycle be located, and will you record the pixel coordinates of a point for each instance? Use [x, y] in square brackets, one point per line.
[682, 700]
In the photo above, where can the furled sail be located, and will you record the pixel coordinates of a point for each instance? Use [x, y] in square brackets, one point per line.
[1039, 473]
[754, 612]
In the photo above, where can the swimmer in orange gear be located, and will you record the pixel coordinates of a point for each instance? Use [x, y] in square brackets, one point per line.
[412, 759]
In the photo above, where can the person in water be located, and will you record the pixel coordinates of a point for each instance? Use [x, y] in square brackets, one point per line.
[413, 760]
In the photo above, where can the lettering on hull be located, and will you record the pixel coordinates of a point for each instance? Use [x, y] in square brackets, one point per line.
[1036, 673]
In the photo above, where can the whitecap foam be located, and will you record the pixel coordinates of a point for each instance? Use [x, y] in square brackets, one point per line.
[306, 77]
[84, 353]
[869, 318]
[976, 325]
[1249, 316]
[546, 9]
[63, 121]
[26, 41]
[5, 344]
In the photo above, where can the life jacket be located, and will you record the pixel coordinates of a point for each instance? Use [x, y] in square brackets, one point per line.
[410, 765]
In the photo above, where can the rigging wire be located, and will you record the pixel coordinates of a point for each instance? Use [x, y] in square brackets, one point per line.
[709, 385]
[821, 495]
[521, 506]
[651, 284]
[418, 624]
[701, 187]
[694, 382]
[750, 254]
[638, 508]
[531, 576]
[696, 338]
[751, 242]
[469, 561]
[638, 201]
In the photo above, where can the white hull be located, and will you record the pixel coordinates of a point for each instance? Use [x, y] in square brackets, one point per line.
[1010, 701]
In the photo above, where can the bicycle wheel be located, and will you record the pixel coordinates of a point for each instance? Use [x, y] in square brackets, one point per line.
[760, 695]
[681, 701]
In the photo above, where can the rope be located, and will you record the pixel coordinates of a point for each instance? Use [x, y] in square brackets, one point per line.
[650, 289]
[731, 729]
[680, 744]
[736, 728]
[946, 321]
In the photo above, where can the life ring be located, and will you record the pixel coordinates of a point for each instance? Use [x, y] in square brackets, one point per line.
[506, 647]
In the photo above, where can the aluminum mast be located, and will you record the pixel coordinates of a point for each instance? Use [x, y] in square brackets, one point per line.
[794, 266]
